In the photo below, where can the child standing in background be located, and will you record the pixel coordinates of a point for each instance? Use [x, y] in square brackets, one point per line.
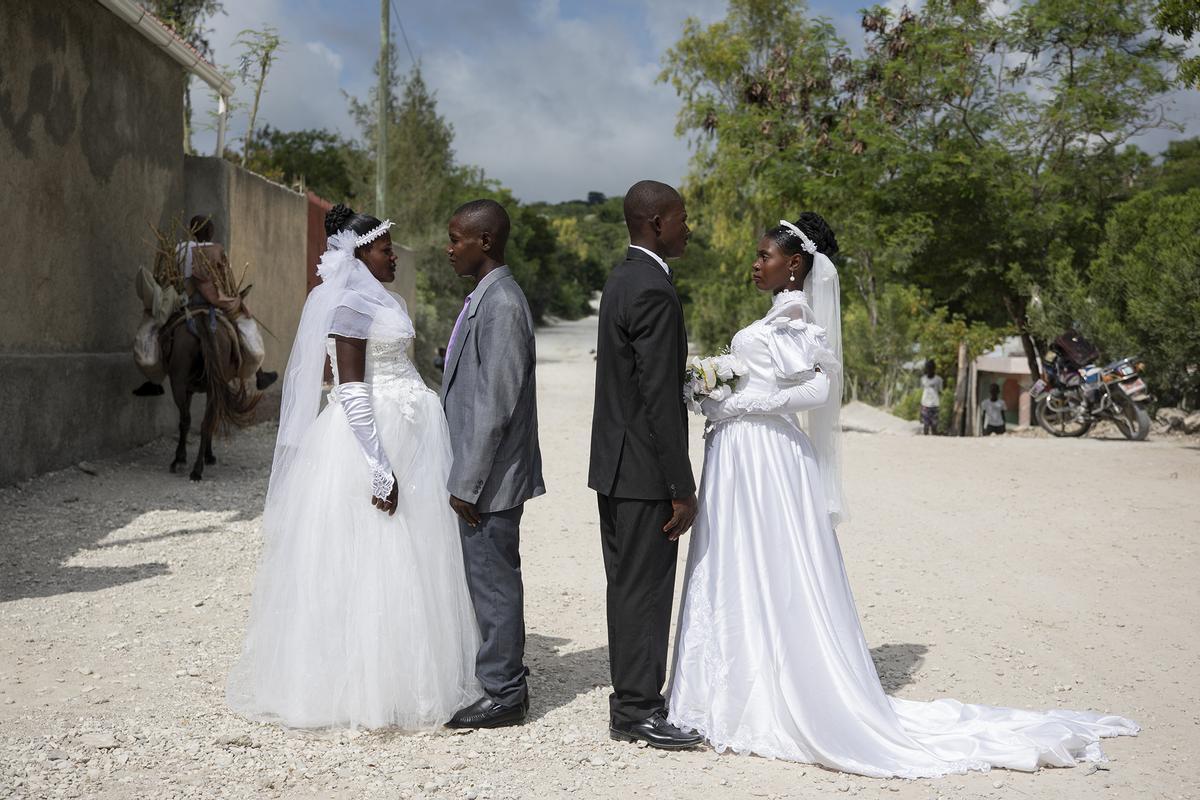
[931, 392]
[993, 412]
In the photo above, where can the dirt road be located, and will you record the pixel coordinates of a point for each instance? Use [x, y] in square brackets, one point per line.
[1009, 571]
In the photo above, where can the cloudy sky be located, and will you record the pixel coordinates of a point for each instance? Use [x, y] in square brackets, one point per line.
[552, 97]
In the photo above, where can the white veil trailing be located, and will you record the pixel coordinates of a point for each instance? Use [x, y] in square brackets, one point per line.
[824, 424]
[350, 302]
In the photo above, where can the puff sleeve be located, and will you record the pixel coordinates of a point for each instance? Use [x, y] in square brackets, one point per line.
[801, 359]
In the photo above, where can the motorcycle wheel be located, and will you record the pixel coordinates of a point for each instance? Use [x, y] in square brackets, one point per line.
[1131, 419]
[1059, 414]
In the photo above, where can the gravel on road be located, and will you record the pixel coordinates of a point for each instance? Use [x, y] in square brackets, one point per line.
[1012, 571]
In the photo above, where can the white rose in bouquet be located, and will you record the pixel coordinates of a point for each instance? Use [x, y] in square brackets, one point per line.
[712, 376]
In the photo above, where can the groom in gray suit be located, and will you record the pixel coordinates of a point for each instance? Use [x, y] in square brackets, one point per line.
[490, 398]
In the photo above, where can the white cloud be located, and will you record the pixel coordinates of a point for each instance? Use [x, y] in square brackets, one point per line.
[552, 99]
[304, 87]
[569, 107]
[550, 105]
[331, 58]
[554, 105]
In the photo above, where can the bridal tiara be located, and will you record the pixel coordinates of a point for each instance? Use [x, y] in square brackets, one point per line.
[806, 243]
[374, 233]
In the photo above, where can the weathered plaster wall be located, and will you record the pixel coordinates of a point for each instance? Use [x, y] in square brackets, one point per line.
[91, 126]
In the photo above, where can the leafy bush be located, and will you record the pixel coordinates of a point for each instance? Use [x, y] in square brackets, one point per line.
[1141, 295]
[908, 406]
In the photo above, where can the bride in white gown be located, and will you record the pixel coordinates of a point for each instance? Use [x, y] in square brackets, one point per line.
[360, 615]
[770, 657]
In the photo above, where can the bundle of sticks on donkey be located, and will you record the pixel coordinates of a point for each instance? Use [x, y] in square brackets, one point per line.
[198, 331]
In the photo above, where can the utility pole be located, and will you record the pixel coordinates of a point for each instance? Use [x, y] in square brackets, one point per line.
[385, 92]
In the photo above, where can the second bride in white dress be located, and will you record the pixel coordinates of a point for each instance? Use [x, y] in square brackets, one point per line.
[770, 657]
[360, 615]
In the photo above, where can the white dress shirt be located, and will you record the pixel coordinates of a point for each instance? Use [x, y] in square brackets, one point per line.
[654, 255]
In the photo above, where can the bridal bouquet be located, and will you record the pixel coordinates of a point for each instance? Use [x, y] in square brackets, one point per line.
[711, 376]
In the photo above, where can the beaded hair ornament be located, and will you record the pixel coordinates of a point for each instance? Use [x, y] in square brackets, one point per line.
[806, 244]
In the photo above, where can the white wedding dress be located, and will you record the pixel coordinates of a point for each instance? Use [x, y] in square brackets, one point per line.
[770, 657]
[360, 619]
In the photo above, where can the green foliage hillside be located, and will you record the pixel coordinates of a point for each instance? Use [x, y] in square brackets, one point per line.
[556, 256]
[969, 155]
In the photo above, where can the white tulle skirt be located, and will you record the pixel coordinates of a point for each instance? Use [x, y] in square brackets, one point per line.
[770, 656]
[360, 619]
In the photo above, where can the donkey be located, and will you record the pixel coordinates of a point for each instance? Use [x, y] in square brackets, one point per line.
[200, 353]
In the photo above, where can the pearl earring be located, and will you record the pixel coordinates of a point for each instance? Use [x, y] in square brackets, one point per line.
[792, 278]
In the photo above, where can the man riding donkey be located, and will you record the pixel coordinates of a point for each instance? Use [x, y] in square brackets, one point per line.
[204, 266]
[205, 342]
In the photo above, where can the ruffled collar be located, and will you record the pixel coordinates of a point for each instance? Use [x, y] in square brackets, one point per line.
[787, 297]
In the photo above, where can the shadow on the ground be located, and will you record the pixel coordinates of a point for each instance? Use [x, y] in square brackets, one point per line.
[52, 519]
[556, 678]
[897, 664]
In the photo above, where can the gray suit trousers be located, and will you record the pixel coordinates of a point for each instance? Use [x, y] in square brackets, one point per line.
[491, 553]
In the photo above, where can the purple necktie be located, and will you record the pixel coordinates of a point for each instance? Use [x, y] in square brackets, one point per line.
[457, 325]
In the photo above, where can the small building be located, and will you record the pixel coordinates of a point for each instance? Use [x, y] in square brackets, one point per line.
[1006, 366]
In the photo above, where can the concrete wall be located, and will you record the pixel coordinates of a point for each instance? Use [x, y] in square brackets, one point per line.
[91, 126]
[91, 134]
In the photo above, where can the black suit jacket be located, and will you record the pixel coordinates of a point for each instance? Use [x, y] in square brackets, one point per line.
[639, 424]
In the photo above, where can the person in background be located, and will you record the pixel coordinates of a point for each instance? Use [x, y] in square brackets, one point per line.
[439, 360]
[203, 263]
[993, 412]
[931, 392]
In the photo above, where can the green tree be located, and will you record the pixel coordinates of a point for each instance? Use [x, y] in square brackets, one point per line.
[1020, 122]
[963, 152]
[1182, 18]
[260, 48]
[318, 159]
[425, 183]
[1179, 170]
[1141, 294]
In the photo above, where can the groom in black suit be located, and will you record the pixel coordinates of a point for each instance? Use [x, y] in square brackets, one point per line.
[639, 466]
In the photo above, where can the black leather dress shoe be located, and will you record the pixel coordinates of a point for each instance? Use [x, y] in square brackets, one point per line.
[487, 713]
[656, 732]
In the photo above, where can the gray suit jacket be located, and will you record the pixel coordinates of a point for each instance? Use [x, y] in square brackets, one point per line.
[489, 393]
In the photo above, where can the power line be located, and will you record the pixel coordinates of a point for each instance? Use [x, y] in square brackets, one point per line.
[404, 36]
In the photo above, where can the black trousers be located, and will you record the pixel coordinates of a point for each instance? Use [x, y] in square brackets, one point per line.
[492, 556]
[639, 561]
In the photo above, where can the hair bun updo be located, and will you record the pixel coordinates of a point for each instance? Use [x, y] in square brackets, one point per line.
[817, 229]
[337, 219]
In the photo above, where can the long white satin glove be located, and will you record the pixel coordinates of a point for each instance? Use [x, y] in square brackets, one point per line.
[812, 392]
[356, 402]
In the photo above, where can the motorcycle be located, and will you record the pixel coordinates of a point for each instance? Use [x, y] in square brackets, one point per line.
[1074, 394]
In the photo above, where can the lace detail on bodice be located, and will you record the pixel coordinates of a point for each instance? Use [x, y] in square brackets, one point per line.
[389, 361]
[388, 369]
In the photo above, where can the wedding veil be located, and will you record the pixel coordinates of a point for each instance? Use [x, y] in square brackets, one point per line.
[824, 424]
[349, 302]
